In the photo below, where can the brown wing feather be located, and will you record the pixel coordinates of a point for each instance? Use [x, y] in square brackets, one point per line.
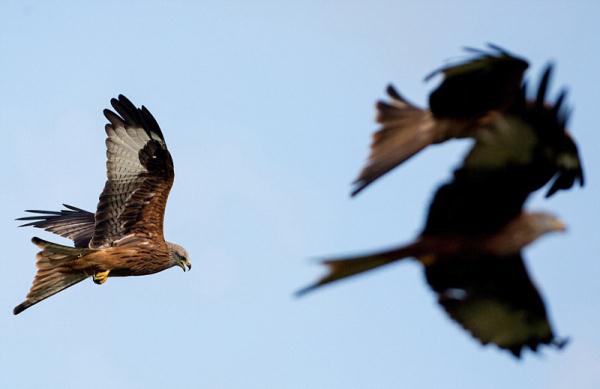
[140, 175]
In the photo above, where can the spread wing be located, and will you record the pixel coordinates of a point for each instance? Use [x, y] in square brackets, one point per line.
[489, 81]
[515, 155]
[140, 175]
[531, 133]
[494, 300]
[73, 223]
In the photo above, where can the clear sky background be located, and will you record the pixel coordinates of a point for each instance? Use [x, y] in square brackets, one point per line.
[267, 108]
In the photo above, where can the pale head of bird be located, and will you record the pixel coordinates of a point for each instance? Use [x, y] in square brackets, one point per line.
[544, 222]
[524, 230]
[179, 256]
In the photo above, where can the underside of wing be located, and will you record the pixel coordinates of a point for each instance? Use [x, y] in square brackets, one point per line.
[494, 300]
[530, 135]
[489, 81]
[72, 223]
[140, 175]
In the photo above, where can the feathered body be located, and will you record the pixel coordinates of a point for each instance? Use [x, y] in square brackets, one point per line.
[472, 241]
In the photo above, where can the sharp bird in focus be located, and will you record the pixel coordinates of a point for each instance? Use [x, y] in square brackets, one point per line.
[125, 235]
[471, 246]
[473, 95]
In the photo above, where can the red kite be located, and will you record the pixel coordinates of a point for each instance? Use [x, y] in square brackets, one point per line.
[125, 235]
[476, 227]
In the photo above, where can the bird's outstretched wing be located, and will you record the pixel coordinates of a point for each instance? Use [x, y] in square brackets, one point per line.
[73, 223]
[494, 300]
[489, 81]
[140, 175]
[492, 297]
[532, 133]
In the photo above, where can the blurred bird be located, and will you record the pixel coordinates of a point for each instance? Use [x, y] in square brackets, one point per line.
[473, 95]
[125, 235]
[471, 251]
[476, 227]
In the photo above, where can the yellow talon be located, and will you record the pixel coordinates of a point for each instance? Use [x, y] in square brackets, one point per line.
[427, 259]
[101, 277]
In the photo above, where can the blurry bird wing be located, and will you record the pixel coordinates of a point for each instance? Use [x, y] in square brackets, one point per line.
[489, 81]
[494, 300]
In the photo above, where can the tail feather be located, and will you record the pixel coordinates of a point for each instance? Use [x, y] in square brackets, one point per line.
[54, 272]
[405, 130]
[341, 268]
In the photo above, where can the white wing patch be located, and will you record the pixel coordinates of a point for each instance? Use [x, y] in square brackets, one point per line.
[123, 148]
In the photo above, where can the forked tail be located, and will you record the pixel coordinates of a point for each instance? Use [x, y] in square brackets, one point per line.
[347, 267]
[55, 272]
[405, 130]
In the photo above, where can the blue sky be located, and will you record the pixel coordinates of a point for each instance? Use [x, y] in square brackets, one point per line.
[267, 108]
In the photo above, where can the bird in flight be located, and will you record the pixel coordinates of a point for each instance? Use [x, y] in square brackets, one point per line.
[473, 95]
[476, 229]
[125, 235]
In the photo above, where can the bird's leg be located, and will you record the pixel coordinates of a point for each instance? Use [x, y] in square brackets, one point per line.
[101, 277]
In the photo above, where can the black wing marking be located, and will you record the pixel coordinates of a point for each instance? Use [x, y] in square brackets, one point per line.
[489, 81]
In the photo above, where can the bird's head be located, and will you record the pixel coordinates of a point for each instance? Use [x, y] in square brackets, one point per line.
[179, 256]
[544, 222]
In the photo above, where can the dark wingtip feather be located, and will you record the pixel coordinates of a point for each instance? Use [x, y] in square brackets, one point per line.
[42, 212]
[359, 186]
[124, 103]
[516, 351]
[73, 208]
[393, 92]
[474, 50]
[561, 343]
[559, 101]
[150, 123]
[432, 74]
[499, 49]
[580, 177]
[553, 189]
[128, 114]
[112, 117]
[543, 88]
[20, 308]
[307, 289]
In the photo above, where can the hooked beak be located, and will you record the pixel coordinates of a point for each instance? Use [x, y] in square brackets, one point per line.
[560, 226]
[184, 264]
